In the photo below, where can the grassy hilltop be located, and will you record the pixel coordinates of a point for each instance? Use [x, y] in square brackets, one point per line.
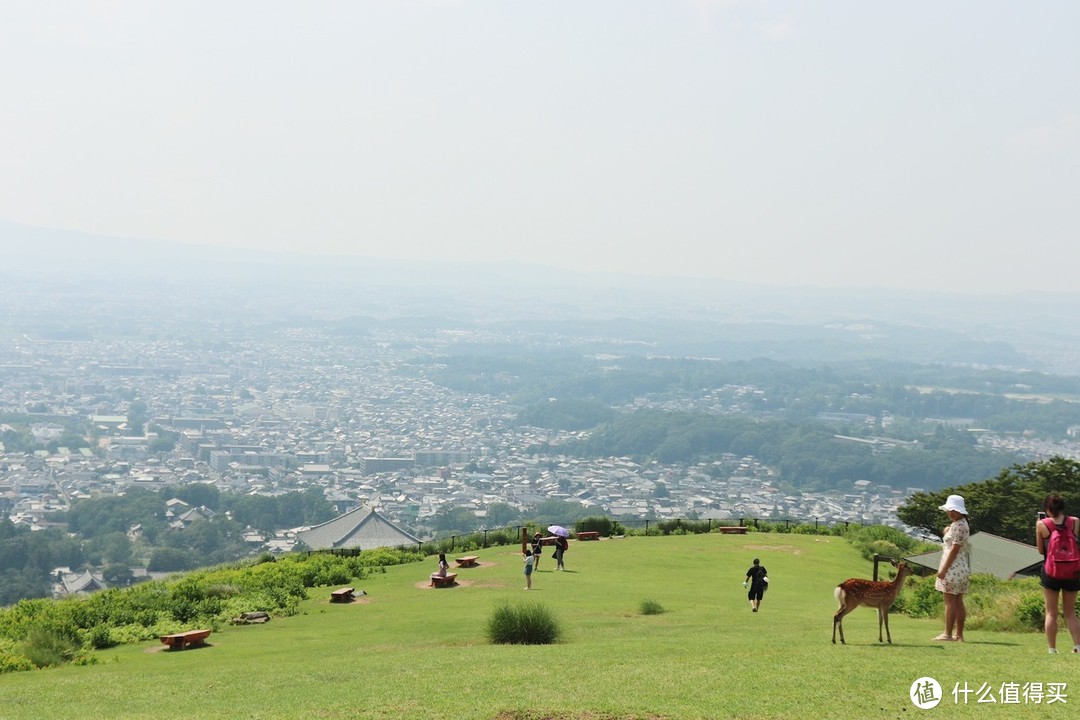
[407, 651]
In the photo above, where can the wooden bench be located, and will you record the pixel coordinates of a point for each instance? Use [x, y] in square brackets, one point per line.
[343, 595]
[467, 561]
[588, 535]
[184, 640]
[734, 530]
[440, 581]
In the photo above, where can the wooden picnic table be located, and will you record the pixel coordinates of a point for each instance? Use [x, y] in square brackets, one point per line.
[588, 535]
[467, 561]
[734, 530]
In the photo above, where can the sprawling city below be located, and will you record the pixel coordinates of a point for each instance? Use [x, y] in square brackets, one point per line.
[388, 399]
[272, 418]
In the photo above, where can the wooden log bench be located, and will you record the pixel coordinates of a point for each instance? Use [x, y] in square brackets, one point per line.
[342, 595]
[588, 535]
[467, 561]
[734, 530]
[184, 640]
[441, 581]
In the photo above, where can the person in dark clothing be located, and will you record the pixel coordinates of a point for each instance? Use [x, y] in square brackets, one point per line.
[537, 549]
[758, 579]
[561, 546]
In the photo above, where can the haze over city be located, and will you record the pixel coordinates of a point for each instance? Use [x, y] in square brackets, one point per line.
[918, 146]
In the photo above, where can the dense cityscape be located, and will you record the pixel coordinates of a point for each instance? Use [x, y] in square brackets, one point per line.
[254, 417]
[381, 394]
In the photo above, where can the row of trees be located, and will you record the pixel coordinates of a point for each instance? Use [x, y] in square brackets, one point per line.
[101, 516]
[806, 454]
[1005, 505]
[586, 386]
[98, 535]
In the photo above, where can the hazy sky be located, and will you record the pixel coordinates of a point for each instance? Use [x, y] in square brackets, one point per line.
[914, 145]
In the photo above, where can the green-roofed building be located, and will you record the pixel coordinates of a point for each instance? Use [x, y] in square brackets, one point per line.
[993, 555]
[361, 529]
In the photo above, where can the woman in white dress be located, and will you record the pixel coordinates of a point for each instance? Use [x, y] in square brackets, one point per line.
[955, 569]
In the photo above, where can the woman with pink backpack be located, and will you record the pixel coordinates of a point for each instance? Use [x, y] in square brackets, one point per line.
[1056, 539]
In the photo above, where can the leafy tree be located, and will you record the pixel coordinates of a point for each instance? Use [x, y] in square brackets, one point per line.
[17, 439]
[136, 417]
[1005, 505]
[566, 414]
[166, 440]
[114, 547]
[167, 559]
[456, 521]
[500, 515]
[94, 517]
[16, 585]
[69, 440]
[117, 575]
[557, 512]
[199, 495]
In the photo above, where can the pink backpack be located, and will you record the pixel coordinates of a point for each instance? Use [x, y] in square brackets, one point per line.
[1062, 553]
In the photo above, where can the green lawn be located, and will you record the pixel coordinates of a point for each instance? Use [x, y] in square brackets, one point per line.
[407, 651]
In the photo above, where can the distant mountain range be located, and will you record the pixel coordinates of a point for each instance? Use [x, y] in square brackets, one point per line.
[1040, 328]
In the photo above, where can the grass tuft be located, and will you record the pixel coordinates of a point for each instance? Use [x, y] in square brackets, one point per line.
[528, 624]
[48, 648]
[650, 607]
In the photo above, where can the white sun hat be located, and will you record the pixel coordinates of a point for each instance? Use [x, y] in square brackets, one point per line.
[955, 502]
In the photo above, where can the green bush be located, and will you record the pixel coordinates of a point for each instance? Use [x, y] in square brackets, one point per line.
[883, 540]
[14, 662]
[56, 631]
[528, 624]
[650, 607]
[683, 527]
[46, 648]
[920, 599]
[1031, 611]
[99, 637]
[595, 523]
[11, 657]
[991, 603]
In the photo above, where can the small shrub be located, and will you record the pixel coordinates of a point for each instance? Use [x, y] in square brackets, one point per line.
[528, 624]
[12, 662]
[46, 648]
[596, 523]
[11, 658]
[99, 638]
[882, 540]
[1031, 611]
[883, 548]
[650, 607]
[919, 599]
[128, 634]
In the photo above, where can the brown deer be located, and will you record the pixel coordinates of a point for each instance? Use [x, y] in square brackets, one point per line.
[855, 592]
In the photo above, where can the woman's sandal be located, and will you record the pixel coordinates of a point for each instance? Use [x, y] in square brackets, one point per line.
[944, 638]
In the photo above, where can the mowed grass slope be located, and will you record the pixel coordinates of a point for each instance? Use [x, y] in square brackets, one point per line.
[407, 651]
